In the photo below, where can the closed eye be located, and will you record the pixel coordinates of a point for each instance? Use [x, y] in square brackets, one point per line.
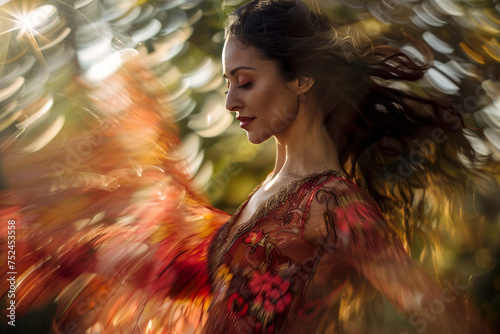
[244, 86]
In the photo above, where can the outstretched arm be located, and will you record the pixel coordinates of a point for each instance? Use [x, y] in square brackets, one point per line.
[106, 216]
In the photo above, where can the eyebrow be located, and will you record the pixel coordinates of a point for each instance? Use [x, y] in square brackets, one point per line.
[233, 71]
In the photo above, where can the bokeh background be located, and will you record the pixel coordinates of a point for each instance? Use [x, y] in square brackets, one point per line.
[45, 45]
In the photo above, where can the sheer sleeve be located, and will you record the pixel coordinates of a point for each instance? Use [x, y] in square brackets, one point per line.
[350, 228]
[106, 220]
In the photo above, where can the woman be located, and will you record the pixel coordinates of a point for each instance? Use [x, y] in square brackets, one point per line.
[308, 240]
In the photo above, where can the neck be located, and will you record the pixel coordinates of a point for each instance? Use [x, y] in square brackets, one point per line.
[305, 147]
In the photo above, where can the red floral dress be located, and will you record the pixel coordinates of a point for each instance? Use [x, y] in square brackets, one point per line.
[284, 270]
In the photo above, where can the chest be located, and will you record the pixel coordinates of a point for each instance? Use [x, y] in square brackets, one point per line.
[266, 229]
[267, 221]
[258, 202]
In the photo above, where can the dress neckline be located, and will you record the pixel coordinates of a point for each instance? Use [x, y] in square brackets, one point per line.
[266, 206]
[223, 241]
[277, 197]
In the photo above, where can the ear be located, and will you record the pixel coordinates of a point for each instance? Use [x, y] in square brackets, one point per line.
[301, 84]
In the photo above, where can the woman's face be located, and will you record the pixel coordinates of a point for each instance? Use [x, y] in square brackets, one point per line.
[264, 103]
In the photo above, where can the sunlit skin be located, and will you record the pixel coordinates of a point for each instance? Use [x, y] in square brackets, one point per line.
[270, 107]
[265, 104]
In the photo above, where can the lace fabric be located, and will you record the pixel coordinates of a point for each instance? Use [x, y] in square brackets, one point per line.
[265, 277]
[221, 240]
[307, 262]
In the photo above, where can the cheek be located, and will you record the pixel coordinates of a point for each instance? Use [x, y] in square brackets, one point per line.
[277, 100]
[286, 106]
[275, 106]
[282, 114]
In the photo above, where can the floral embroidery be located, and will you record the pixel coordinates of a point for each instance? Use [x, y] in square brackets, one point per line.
[254, 237]
[272, 292]
[237, 305]
[263, 277]
[260, 294]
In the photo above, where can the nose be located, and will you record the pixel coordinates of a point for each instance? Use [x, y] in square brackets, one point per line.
[233, 102]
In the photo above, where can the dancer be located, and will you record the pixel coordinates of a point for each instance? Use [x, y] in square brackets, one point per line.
[302, 253]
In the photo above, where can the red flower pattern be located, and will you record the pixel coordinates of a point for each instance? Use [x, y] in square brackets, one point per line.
[273, 293]
[254, 237]
[237, 305]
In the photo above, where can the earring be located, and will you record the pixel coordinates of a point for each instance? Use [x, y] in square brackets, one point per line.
[302, 97]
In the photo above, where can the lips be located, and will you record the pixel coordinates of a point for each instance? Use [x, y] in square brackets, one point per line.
[245, 121]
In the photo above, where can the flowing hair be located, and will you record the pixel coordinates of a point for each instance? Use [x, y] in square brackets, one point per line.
[409, 150]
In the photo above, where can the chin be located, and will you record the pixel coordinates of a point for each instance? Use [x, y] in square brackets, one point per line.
[258, 138]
